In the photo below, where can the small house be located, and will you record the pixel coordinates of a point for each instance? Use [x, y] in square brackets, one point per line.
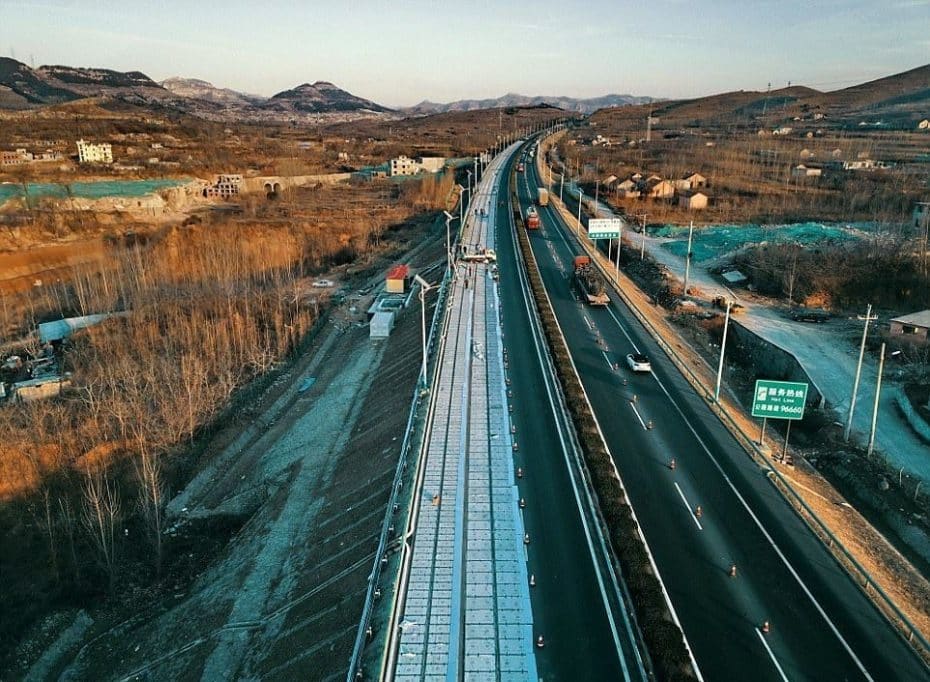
[913, 326]
[397, 279]
[695, 180]
[660, 189]
[693, 201]
[625, 186]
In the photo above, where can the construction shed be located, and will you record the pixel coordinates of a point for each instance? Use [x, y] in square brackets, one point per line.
[913, 326]
[381, 325]
[62, 329]
[38, 389]
[397, 279]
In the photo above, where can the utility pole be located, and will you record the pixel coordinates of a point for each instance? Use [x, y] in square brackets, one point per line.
[878, 391]
[561, 182]
[642, 251]
[723, 347]
[688, 257]
[852, 401]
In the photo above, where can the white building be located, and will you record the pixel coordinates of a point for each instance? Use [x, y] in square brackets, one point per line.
[224, 187]
[403, 165]
[89, 152]
[432, 164]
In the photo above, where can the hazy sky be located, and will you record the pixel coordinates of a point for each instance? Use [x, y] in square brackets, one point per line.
[404, 51]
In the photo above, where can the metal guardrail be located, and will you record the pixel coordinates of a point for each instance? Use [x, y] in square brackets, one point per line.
[852, 566]
[405, 448]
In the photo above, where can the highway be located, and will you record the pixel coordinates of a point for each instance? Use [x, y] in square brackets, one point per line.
[822, 627]
[576, 601]
[505, 547]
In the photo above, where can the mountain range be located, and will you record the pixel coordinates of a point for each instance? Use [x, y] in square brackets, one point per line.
[897, 98]
[585, 106]
[22, 87]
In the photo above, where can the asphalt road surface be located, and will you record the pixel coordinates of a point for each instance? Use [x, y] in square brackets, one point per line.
[822, 626]
[576, 606]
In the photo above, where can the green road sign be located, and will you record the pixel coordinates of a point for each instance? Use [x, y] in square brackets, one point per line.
[779, 399]
[604, 228]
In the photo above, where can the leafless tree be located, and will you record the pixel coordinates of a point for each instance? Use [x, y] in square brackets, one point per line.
[101, 514]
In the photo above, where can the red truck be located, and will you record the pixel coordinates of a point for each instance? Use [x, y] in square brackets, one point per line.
[532, 218]
[589, 282]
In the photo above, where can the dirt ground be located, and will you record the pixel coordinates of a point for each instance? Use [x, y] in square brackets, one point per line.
[298, 486]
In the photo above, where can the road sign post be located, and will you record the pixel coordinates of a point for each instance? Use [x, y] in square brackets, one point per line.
[779, 400]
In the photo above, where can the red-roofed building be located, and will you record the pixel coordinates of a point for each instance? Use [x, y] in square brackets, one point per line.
[397, 279]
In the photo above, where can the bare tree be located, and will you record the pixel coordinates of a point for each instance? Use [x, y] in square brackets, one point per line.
[101, 514]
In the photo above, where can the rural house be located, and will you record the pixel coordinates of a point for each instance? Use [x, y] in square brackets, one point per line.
[694, 201]
[914, 326]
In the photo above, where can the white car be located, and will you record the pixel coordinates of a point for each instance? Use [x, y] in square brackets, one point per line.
[638, 362]
[324, 283]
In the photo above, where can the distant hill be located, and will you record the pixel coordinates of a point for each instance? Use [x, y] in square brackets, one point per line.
[897, 101]
[586, 106]
[22, 87]
[194, 88]
[320, 97]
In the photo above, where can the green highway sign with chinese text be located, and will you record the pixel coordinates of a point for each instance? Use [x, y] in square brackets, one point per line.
[779, 399]
[604, 228]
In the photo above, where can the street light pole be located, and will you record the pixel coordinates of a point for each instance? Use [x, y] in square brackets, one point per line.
[424, 287]
[470, 192]
[688, 257]
[580, 194]
[852, 401]
[461, 203]
[449, 219]
[878, 391]
[723, 347]
[642, 251]
[561, 182]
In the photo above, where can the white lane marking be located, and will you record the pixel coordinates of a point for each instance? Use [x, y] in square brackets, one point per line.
[534, 331]
[772, 655]
[607, 360]
[588, 322]
[668, 599]
[688, 506]
[633, 405]
[610, 310]
[759, 525]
